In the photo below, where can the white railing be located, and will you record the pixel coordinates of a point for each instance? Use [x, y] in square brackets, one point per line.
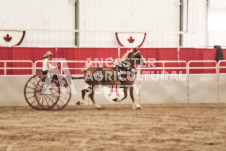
[219, 79]
[65, 67]
[215, 67]
[201, 68]
[62, 64]
[151, 66]
[163, 68]
[5, 68]
[219, 65]
[182, 65]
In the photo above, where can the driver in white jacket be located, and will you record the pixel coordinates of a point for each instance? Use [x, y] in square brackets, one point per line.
[46, 66]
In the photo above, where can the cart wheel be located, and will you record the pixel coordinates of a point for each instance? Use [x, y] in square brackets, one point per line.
[29, 92]
[65, 94]
[46, 95]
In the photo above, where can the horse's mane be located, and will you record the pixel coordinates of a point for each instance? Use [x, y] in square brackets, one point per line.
[126, 55]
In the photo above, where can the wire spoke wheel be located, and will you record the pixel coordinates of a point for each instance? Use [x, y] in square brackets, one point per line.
[46, 94]
[65, 94]
[29, 92]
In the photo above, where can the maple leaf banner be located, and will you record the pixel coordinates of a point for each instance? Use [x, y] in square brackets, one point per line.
[130, 40]
[11, 38]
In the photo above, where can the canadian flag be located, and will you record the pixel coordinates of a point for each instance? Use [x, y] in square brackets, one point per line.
[130, 40]
[11, 38]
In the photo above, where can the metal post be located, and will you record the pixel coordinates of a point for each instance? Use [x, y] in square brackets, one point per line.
[218, 84]
[4, 67]
[33, 69]
[187, 72]
[139, 70]
[163, 67]
[119, 52]
[61, 69]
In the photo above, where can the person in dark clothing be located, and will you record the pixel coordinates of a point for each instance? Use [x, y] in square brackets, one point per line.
[219, 53]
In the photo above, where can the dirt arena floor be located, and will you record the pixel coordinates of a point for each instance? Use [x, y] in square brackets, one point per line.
[118, 127]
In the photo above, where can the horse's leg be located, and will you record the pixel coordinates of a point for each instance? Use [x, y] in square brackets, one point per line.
[91, 96]
[83, 97]
[125, 95]
[135, 105]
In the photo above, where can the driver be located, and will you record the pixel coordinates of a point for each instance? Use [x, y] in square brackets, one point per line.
[46, 65]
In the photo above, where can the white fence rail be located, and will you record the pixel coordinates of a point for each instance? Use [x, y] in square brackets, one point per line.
[64, 64]
[201, 68]
[5, 67]
[219, 65]
[163, 68]
[182, 65]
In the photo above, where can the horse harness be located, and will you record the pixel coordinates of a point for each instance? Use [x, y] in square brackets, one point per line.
[118, 65]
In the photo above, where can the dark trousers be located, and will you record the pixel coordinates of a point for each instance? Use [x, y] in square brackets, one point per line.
[44, 72]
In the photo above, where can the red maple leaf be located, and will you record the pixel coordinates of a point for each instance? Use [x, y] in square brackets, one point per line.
[131, 40]
[7, 38]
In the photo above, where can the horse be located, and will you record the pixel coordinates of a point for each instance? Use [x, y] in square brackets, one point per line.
[112, 77]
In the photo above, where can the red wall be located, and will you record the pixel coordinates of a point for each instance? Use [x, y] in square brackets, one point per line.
[34, 53]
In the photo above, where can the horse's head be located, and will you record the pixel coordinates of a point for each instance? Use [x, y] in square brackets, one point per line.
[134, 57]
[139, 58]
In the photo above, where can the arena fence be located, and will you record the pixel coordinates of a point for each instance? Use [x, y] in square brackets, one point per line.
[26, 65]
[210, 66]
[158, 54]
[193, 88]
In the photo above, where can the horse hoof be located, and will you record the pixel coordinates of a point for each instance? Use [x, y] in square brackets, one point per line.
[78, 103]
[115, 100]
[139, 108]
[100, 108]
